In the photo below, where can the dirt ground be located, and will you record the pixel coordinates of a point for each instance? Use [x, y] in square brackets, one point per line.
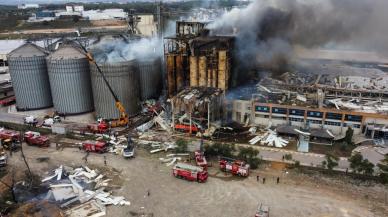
[297, 195]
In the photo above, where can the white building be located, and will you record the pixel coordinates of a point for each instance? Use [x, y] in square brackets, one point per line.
[28, 6]
[147, 25]
[74, 8]
[107, 14]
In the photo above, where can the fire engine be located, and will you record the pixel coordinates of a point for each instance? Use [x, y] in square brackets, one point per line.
[200, 159]
[94, 146]
[9, 134]
[8, 101]
[189, 172]
[34, 138]
[236, 167]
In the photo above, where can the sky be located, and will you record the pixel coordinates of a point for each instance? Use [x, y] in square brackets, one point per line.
[16, 2]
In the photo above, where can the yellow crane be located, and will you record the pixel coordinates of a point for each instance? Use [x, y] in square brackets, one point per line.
[124, 119]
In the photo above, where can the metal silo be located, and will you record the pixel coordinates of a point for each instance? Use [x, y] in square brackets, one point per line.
[69, 75]
[124, 81]
[150, 76]
[27, 67]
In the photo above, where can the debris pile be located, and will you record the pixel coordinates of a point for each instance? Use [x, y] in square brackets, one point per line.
[270, 138]
[84, 186]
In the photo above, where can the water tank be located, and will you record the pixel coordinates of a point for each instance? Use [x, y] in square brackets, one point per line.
[70, 83]
[27, 67]
[124, 81]
[150, 76]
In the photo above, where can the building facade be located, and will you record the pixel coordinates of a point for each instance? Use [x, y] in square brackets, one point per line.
[372, 125]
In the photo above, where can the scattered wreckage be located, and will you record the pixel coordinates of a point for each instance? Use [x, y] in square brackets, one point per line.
[81, 191]
[269, 138]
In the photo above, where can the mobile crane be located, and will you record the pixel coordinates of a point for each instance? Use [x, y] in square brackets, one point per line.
[124, 119]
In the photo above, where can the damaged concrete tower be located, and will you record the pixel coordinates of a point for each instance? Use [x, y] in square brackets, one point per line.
[196, 59]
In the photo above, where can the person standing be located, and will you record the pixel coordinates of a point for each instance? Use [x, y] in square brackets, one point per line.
[264, 180]
[105, 160]
[278, 180]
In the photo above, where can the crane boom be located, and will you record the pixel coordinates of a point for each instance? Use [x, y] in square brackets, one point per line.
[124, 119]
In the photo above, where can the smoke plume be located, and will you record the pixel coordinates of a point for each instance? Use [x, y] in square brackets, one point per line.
[113, 50]
[268, 30]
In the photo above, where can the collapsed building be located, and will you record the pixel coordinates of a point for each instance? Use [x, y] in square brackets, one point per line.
[195, 108]
[196, 59]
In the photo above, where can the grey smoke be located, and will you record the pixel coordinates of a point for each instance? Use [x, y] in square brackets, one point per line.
[268, 30]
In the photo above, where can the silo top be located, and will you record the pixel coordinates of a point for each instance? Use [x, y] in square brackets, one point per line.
[27, 50]
[67, 52]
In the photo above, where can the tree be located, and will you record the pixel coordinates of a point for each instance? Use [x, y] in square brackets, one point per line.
[249, 155]
[349, 136]
[218, 149]
[181, 146]
[330, 162]
[361, 165]
[383, 166]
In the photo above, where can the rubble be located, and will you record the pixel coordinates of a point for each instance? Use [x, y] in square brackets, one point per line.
[84, 186]
[270, 138]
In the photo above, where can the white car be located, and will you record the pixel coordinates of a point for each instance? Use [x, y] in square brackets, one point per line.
[50, 121]
[30, 120]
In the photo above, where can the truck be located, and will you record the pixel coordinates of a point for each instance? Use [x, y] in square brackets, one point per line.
[9, 134]
[30, 120]
[236, 167]
[34, 138]
[100, 127]
[94, 146]
[129, 151]
[3, 158]
[48, 122]
[189, 172]
[8, 101]
[262, 211]
[200, 159]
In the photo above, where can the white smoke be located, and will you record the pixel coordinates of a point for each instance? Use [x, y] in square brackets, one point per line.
[113, 50]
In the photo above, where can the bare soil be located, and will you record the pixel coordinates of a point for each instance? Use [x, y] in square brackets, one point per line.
[221, 196]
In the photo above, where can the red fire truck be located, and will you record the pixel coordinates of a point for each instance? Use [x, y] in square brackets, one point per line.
[236, 167]
[8, 101]
[34, 138]
[94, 146]
[200, 159]
[9, 134]
[189, 172]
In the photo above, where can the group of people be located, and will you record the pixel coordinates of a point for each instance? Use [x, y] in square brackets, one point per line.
[258, 179]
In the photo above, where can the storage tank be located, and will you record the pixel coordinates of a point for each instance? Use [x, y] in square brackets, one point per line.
[70, 83]
[124, 80]
[150, 76]
[28, 70]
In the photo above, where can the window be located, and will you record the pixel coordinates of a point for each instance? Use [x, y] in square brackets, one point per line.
[261, 116]
[315, 114]
[333, 116]
[353, 118]
[331, 123]
[262, 109]
[314, 121]
[297, 112]
[297, 119]
[279, 118]
[279, 110]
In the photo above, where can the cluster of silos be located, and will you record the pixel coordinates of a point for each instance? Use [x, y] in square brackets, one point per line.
[69, 74]
[27, 67]
[124, 80]
[150, 76]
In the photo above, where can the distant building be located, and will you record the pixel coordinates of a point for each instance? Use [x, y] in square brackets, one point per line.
[28, 6]
[74, 8]
[41, 16]
[107, 14]
[147, 25]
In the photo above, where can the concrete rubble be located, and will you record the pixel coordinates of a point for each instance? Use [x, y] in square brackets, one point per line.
[269, 138]
[82, 186]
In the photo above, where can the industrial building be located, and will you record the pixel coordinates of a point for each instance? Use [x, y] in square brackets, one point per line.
[196, 59]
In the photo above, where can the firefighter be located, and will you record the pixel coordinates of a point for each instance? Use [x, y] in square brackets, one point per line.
[277, 180]
[257, 178]
[105, 160]
[264, 180]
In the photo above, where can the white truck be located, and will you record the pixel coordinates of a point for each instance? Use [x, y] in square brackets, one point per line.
[31, 120]
[50, 121]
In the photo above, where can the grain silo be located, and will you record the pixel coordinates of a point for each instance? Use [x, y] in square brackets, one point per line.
[27, 67]
[150, 76]
[69, 74]
[124, 80]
